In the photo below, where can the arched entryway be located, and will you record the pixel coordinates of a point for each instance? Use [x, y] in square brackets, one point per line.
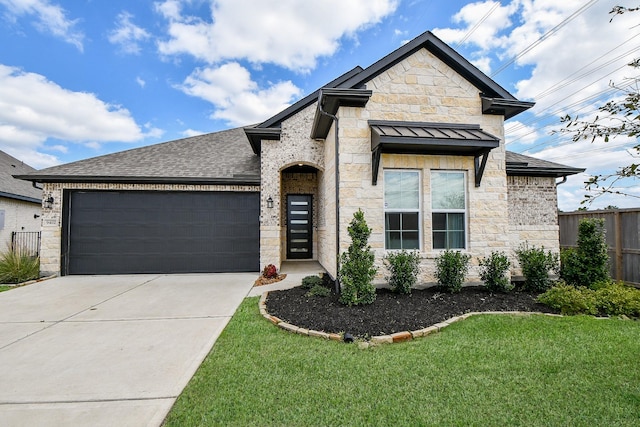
[299, 216]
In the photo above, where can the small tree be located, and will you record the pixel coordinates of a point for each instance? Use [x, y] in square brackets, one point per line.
[493, 272]
[403, 269]
[451, 270]
[588, 264]
[356, 265]
[535, 264]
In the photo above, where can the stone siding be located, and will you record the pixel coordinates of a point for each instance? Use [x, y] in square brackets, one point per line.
[51, 243]
[533, 213]
[422, 88]
[294, 147]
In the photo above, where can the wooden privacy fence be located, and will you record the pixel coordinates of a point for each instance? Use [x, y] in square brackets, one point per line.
[622, 227]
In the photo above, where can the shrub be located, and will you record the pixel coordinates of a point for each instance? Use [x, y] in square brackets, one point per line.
[570, 300]
[403, 267]
[270, 271]
[493, 272]
[18, 268]
[451, 269]
[588, 264]
[535, 264]
[309, 282]
[617, 300]
[356, 271]
[318, 291]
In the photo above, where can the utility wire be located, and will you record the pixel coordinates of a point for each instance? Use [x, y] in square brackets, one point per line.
[475, 27]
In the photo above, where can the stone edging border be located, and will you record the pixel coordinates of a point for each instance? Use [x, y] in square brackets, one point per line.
[30, 282]
[384, 339]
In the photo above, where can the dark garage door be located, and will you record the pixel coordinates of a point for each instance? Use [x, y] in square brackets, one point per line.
[112, 232]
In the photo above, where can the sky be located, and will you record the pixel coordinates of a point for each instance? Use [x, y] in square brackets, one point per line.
[82, 78]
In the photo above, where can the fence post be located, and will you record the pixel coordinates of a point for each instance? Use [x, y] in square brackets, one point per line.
[618, 230]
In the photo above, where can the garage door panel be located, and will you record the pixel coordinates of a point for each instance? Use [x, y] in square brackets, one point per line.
[162, 232]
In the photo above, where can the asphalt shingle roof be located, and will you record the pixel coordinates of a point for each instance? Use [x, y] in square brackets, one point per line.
[16, 188]
[220, 157]
[519, 164]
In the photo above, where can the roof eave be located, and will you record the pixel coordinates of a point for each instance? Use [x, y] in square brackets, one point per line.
[329, 100]
[518, 170]
[505, 107]
[20, 197]
[236, 180]
[256, 135]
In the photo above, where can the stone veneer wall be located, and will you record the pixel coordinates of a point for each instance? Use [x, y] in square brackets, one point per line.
[51, 243]
[422, 88]
[533, 213]
[295, 146]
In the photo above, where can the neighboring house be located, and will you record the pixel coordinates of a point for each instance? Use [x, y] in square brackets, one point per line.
[416, 141]
[20, 201]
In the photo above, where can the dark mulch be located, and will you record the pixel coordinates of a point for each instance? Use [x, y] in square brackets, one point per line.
[392, 312]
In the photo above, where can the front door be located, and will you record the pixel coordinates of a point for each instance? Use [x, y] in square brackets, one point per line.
[299, 231]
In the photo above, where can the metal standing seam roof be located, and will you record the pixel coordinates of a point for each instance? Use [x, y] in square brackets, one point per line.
[13, 188]
[431, 132]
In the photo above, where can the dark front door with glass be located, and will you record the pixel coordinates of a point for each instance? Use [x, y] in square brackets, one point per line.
[299, 231]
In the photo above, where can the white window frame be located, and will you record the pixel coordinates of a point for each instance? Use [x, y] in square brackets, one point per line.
[418, 210]
[464, 211]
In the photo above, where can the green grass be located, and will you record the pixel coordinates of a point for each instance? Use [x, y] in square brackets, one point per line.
[487, 370]
[5, 288]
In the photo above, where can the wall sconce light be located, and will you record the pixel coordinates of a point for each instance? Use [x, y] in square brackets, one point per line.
[48, 203]
[270, 202]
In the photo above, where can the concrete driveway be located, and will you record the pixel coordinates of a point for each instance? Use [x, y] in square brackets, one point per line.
[108, 350]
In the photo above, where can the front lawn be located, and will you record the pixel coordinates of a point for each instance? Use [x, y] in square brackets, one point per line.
[486, 370]
[5, 288]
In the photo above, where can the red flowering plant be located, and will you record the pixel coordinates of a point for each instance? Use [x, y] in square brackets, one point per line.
[270, 271]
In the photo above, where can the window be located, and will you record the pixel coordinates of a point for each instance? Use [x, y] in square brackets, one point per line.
[402, 209]
[448, 204]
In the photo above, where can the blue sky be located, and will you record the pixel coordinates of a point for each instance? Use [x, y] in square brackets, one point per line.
[83, 78]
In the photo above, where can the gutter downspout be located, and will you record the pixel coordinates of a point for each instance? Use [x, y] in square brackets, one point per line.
[564, 179]
[337, 178]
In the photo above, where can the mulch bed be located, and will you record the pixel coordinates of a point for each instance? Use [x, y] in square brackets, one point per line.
[392, 312]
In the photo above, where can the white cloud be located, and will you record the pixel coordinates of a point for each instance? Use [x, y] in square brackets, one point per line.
[237, 98]
[50, 18]
[128, 35]
[289, 33]
[522, 133]
[192, 132]
[34, 109]
[141, 81]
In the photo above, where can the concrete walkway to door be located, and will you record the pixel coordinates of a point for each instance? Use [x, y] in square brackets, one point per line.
[108, 350]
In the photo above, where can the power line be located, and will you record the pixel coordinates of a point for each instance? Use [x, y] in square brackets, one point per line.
[475, 27]
[544, 37]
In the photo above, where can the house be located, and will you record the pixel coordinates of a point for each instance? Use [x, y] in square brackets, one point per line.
[20, 203]
[415, 140]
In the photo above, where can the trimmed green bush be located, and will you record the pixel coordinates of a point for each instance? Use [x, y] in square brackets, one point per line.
[357, 271]
[309, 282]
[318, 291]
[587, 264]
[570, 300]
[403, 267]
[617, 300]
[536, 264]
[451, 270]
[614, 299]
[18, 268]
[493, 272]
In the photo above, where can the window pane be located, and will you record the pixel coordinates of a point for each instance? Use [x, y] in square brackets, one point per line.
[456, 239]
[401, 190]
[410, 240]
[447, 190]
[410, 221]
[455, 221]
[439, 221]
[393, 240]
[392, 221]
[439, 238]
